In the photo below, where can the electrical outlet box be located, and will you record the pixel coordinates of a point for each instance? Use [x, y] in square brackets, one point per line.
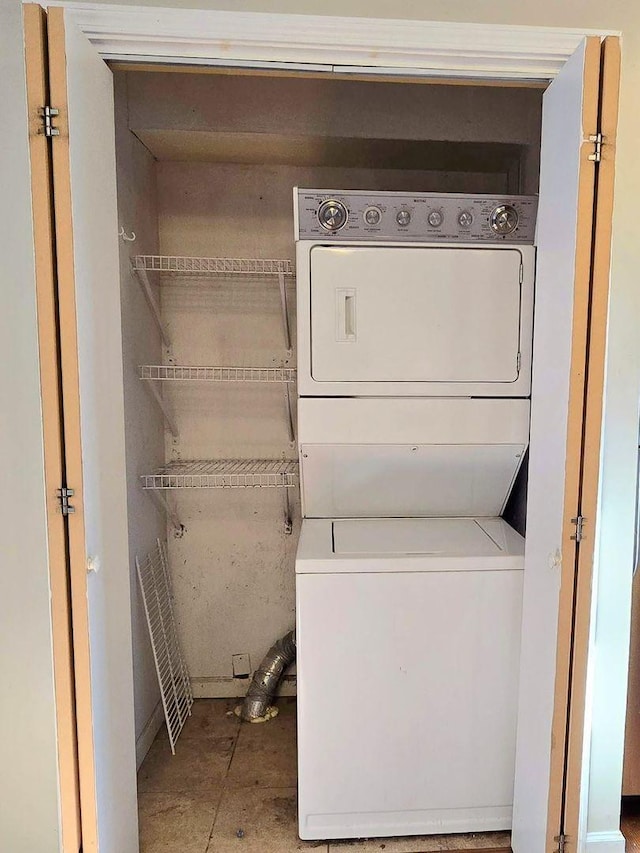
[241, 665]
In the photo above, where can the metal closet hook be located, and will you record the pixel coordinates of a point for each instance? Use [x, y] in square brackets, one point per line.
[122, 233]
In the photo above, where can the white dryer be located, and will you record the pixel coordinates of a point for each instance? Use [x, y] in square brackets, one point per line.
[414, 295]
[414, 361]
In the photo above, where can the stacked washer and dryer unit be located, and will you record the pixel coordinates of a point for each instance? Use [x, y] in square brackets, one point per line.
[415, 317]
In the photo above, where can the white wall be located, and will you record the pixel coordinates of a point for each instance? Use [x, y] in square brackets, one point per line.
[29, 818]
[144, 432]
[340, 123]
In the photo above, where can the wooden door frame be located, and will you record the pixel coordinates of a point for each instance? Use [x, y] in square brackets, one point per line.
[361, 47]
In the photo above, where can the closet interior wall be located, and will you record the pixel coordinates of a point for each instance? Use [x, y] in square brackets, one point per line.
[207, 163]
[144, 429]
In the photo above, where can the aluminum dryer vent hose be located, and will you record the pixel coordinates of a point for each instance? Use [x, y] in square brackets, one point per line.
[257, 704]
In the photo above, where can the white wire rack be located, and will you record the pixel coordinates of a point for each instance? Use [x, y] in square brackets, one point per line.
[224, 474]
[152, 373]
[170, 372]
[173, 677]
[209, 267]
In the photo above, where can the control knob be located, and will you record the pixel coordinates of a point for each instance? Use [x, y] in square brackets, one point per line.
[372, 215]
[504, 219]
[465, 219]
[403, 217]
[435, 218]
[332, 215]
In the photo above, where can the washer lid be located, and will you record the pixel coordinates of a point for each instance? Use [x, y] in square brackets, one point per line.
[443, 537]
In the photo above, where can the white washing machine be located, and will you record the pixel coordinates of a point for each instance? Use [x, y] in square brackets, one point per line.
[413, 419]
[408, 638]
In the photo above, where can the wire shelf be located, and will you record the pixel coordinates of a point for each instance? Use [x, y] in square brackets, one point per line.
[171, 372]
[224, 474]
[176, 265]
[173, 676]
[226, 268]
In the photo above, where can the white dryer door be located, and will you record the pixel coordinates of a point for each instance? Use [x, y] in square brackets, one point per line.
[407, 314]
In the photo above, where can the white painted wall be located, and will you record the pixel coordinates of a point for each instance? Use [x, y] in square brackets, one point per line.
[29, 805]
[144, 432]
[303, 106]
[302, 121]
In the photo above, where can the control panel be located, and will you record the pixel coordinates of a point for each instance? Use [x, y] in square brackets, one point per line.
[416, 217]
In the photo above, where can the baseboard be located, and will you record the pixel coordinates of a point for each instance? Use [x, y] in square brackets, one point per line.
[605, 842]
[148, 733]
[225, 687]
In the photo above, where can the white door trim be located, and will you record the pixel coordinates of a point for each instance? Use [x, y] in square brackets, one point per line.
[325, 43]
[605, 842]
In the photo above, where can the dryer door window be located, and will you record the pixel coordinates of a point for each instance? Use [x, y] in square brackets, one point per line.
[405, 314]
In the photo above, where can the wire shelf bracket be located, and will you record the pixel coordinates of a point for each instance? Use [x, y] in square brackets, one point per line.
[290, 413]
[156, 373]
[143, 279]
[162, 405]
[173, 676]
[285, 312]
[287, 526]
[163, 503]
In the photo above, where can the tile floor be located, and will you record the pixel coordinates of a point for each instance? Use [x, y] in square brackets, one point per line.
[231, 788]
